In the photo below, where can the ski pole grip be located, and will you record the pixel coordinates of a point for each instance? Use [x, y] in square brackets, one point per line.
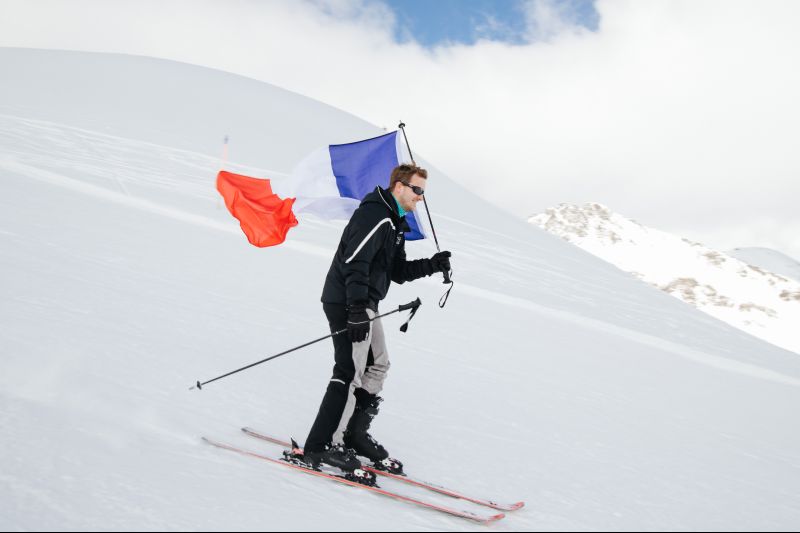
[411, 305]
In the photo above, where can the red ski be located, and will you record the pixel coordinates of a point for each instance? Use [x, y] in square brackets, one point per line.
[405, 479]
[442, 509]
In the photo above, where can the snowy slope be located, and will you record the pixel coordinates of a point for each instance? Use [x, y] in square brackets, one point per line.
[550, 377]
[755, 300]
[771, 260]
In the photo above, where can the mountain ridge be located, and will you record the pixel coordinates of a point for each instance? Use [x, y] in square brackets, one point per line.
[746, 296]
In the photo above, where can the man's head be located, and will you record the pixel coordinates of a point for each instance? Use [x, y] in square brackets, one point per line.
[404, 180]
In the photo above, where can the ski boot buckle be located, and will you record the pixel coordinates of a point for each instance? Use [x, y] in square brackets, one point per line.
[392, 466]
[362, 477]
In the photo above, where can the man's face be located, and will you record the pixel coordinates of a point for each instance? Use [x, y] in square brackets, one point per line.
[406, 196]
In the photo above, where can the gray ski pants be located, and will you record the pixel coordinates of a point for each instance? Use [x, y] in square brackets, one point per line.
[371, 362]
[358, 365]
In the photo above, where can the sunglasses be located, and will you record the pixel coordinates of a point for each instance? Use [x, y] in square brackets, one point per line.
[419, 191]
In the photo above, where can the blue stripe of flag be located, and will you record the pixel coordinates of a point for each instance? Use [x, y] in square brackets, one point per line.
[361, 166]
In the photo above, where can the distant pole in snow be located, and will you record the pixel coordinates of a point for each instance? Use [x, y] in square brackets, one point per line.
[223, 163]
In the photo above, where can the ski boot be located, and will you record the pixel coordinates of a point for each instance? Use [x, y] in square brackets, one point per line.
[357, 438]
[337, 456]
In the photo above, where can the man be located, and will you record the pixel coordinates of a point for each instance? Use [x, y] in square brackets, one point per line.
[370, 256]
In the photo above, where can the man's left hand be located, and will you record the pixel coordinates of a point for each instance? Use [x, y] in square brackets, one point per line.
[441, 262]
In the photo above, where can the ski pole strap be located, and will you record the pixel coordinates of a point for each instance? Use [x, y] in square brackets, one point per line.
[414, 306]
[446, 296]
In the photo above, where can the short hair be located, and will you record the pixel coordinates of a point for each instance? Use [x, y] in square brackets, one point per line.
[404, 172]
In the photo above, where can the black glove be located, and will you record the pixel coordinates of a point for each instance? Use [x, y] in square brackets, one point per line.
[441, 262]
[357, 323]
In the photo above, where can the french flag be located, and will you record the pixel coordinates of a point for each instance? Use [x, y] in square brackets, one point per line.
[328, 184]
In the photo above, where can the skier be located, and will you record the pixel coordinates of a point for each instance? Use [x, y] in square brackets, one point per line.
[370, 256]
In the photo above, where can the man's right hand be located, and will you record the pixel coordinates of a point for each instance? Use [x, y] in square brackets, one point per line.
[357, 323]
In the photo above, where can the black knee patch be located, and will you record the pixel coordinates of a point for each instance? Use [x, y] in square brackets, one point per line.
[366, 400]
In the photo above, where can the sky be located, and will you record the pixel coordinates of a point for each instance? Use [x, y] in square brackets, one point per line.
[679, 114]
[448, 22]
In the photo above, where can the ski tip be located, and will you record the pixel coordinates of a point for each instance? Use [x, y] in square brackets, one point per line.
[495, 518]
[507, 507]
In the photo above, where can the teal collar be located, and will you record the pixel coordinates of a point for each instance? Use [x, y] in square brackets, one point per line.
[400, 210]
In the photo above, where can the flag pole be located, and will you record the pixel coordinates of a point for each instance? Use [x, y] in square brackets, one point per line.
[402, 126]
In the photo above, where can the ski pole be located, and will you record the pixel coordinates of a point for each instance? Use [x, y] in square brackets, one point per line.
[447, 279]
[402, 126]
[413, 306]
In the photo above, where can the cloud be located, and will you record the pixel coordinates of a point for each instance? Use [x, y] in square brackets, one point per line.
[549, 19]
[682, 114]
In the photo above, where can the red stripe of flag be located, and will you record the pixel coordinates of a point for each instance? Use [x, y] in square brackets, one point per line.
[264, 217]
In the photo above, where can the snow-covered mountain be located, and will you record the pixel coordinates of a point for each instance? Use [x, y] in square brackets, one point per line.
[744, 295]
[550, 377]
[771, 260]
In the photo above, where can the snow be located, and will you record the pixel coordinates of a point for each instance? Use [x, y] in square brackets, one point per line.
[550, 377]
[771, 260]
[758, 301]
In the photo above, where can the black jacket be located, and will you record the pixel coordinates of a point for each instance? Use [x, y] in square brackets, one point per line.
[372, 254]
